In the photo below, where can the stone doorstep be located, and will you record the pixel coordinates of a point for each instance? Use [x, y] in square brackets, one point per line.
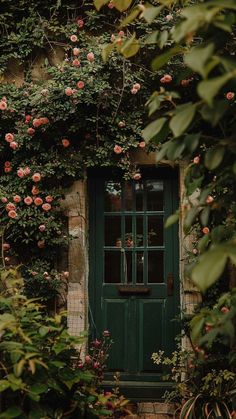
[155, 408]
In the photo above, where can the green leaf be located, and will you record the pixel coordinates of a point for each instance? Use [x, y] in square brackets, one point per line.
[208, 89]
[163, 38]
[197, 58]
[172, 219]
[209, 268]
[190, 218]
[204, 216]
[39, 388]
[106, 50]
[183, 117]
[162, 59]
[214, 157]
[153, 129]
[4, 384]
[12, 412]
[99, 3]
[130, 47]
[215, 113]
[152, 38]
[131, 17]
[151, 12]
[18, 368]
[203, 243]
[192, 141]
[122, 5]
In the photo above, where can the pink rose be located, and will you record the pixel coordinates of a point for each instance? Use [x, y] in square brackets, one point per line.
[27, 170]
[74, 38]
[121, 124]
[137, 176]
[7, 164]
[34, 273]
[3, 105]
[76, 62]
[38, 201]
[106, 333]
[142, 144]
[205, 230]
[88, 359]
[14, 145]
[76, 51]
[42, 228]
[4, 200]
[185, 82]
[10, 206]
[41, 244]
[20, 172]
[167, 78]
[121, 33]
[224, 310]
[6, 246]
[35, 190]
[7, 169]
[196, 160]
[68, 91]
[80, 23]
[90, 57]
[31, 131]
[28, 200]
[12, 214]
[118, 149]
[134, 91]
[16, 198]
[36, 177]
[49, 198]
[209, 199]
[110, 5]
[137, 86]
[230, 95]
[46, 207]
[66, 274]
[65, 142]
[36, 123]
[44, 121]
[28, 118]
[169, 17]
[80, 84]
[9, 137]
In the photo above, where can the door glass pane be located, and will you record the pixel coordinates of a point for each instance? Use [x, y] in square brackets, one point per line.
[128, 266]
[155, 195]
[112, 231]
[112, 267]
[139, 231]
[139, 196]
[155, 231]
[128, 196]
[129, 237]
[112, 196]
[155, 267]
[139, 267]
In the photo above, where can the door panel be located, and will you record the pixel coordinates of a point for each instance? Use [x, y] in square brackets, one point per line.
[134, 285]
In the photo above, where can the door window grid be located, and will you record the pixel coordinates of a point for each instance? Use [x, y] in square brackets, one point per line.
[135, 247]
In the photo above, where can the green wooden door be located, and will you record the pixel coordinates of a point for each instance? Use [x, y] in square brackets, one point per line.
[134, 284]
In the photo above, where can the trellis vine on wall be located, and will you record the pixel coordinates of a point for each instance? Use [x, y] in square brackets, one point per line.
[84, 113]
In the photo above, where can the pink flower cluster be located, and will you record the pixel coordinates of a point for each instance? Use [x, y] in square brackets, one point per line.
[28, 200]
[7, 167]
[9, 137]
[3, 104]
[136, 87]
[167, 78]
[22, 172]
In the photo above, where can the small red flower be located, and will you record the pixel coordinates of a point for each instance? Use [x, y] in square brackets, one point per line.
[76, 51]
[7, 164]
[90, 57]
[68, 91]
[49, 198]
[230, 95]
[3, 105]
[9, 137]
[31, 131]
[16, 198]
[7, 169]
[118, 149]
[206, 230]
[10, 206]
[65, 143]
[12, 214]
[38, 201]
[142, 144]
[14, 145]
[76, 62]
[46, 207]
[74, 38]
[80, 84]
[36, 177]
[28, 200]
